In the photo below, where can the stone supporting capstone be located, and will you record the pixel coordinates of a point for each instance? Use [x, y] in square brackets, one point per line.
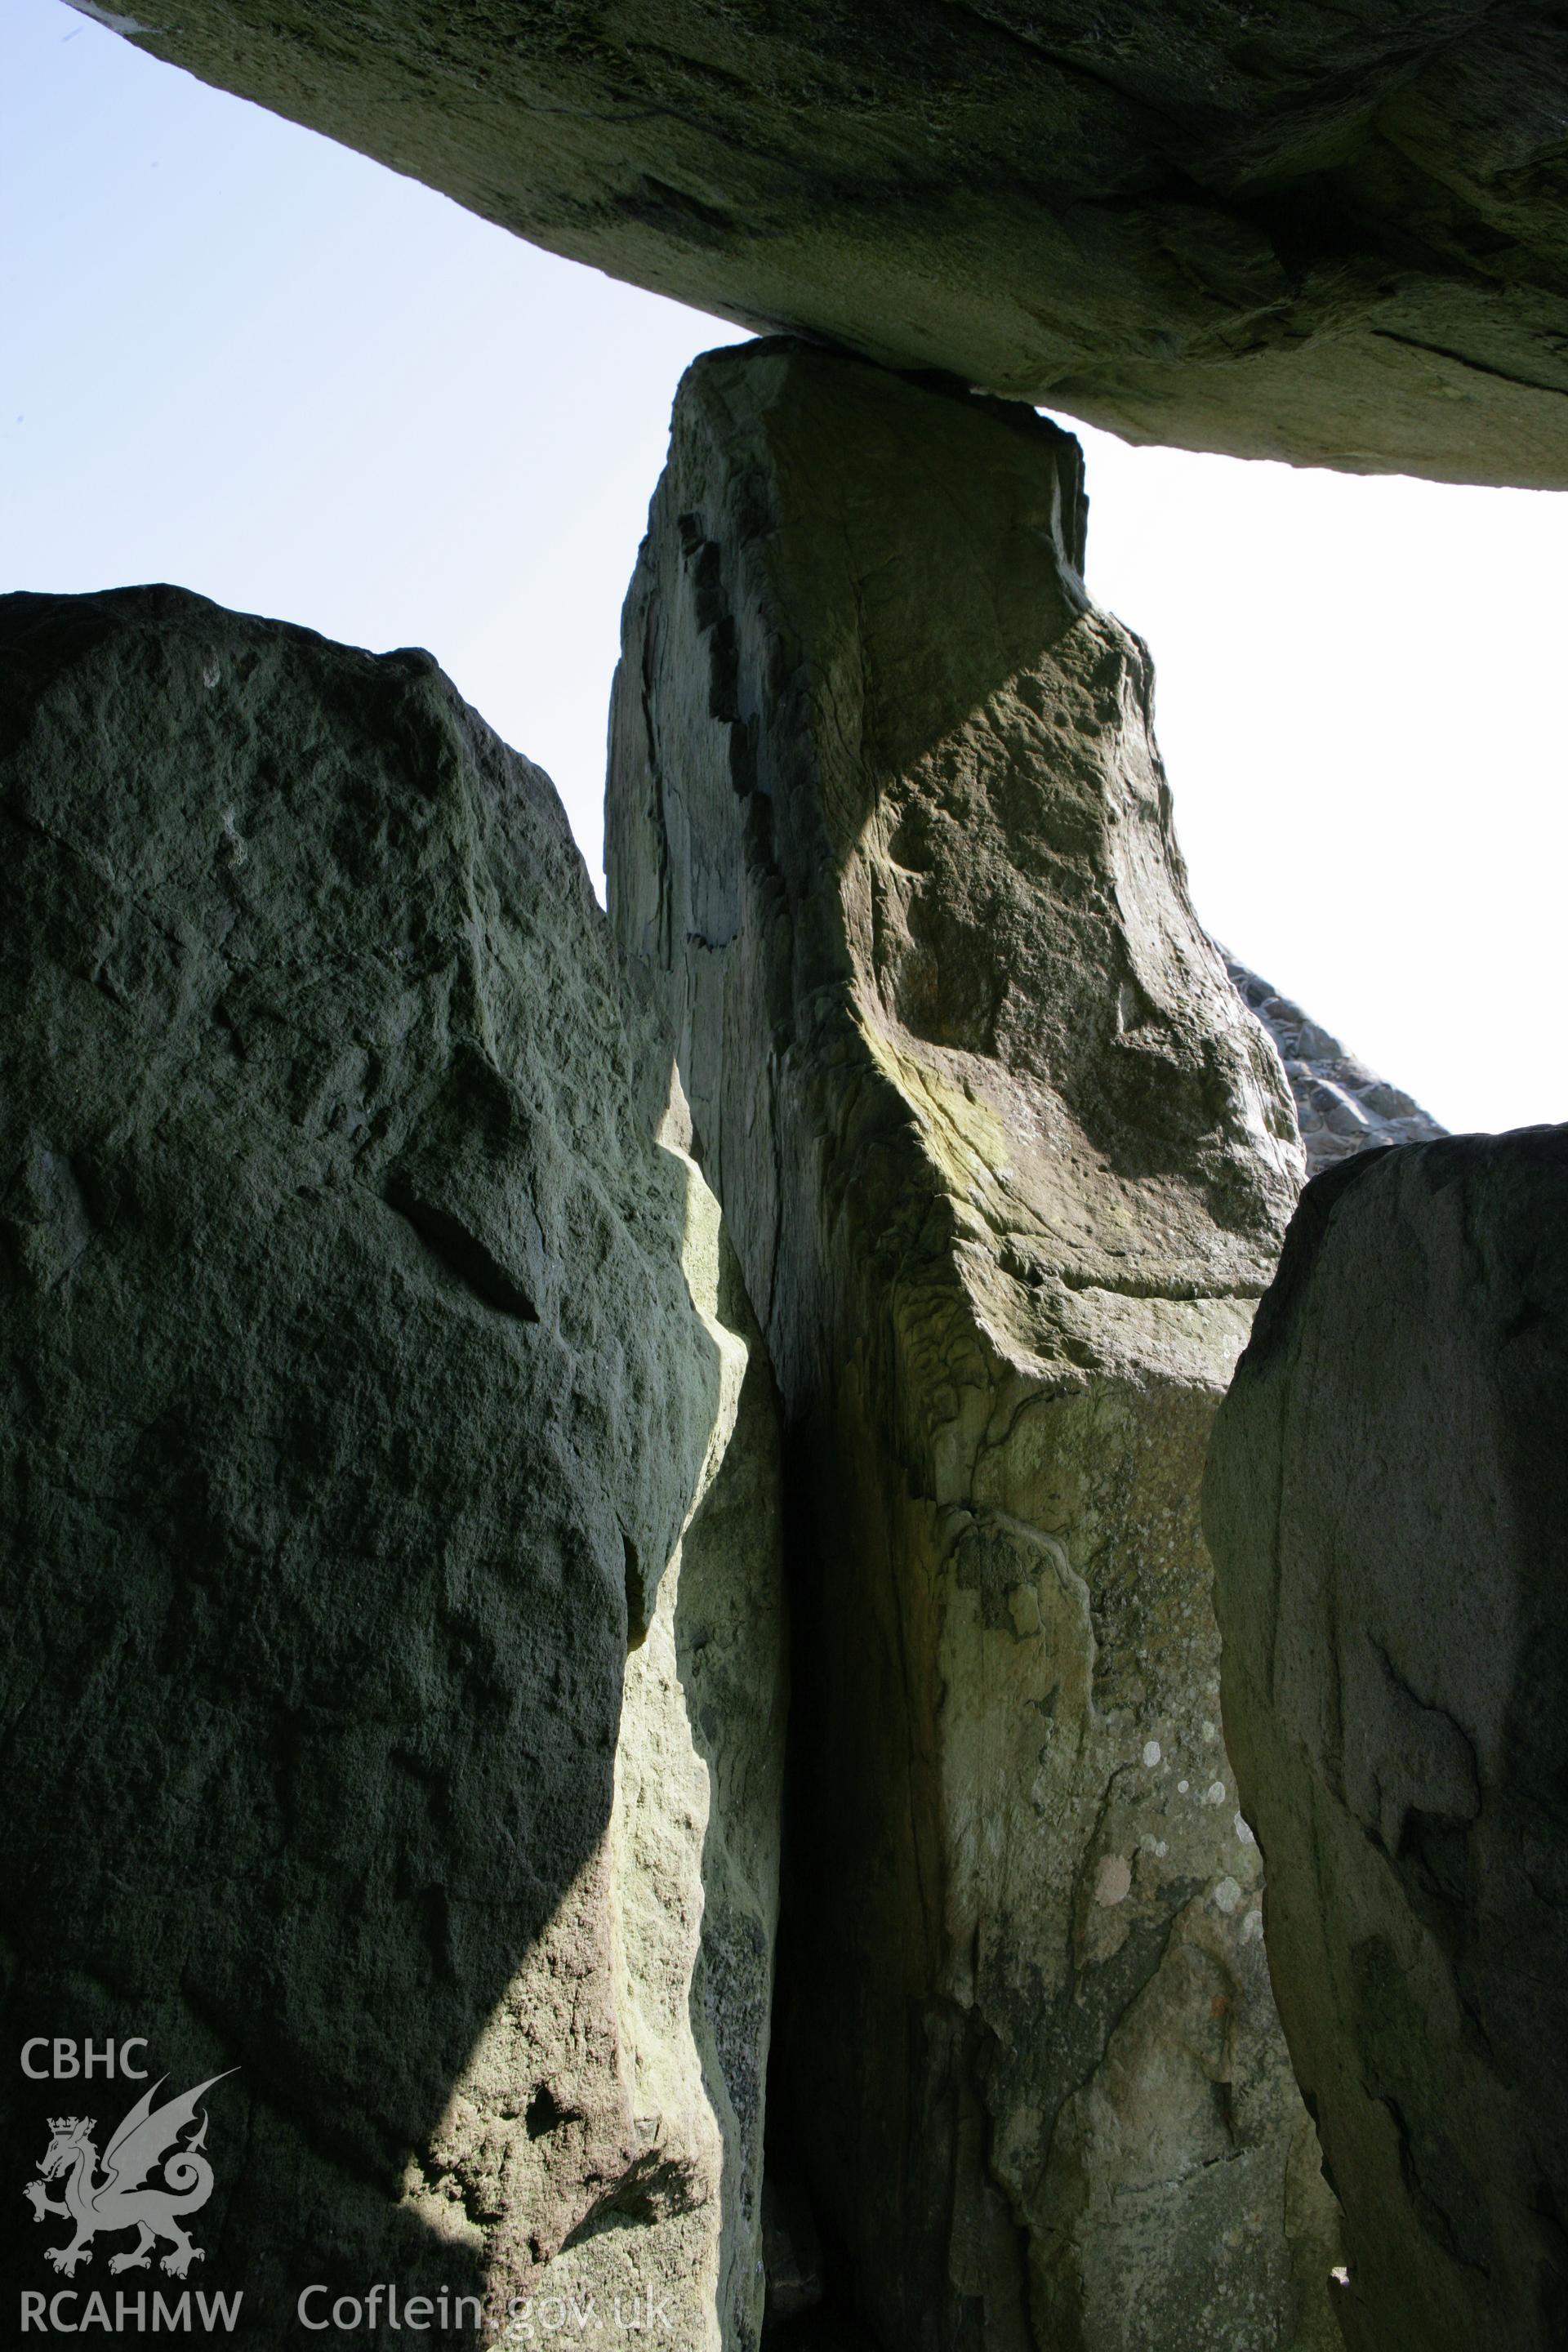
[1007, 1164]
[1387, 1500]
[393, 1690]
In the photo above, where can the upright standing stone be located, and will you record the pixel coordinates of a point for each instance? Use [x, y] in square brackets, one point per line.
[1387, 1500]
[1006, 1164]
[392, 1700]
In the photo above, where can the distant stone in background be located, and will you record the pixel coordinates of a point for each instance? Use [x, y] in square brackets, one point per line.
[1006, 1164]
[1327, 233]
[1341, 1105]
[391, 1694]
[1387, 1501]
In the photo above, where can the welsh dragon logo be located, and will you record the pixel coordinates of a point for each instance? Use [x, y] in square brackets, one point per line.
[125, 2199]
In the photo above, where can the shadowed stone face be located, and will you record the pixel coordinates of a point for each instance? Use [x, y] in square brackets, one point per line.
[1007, 1163]
[1386, 1501]
[391, 1694]
[1326, 234]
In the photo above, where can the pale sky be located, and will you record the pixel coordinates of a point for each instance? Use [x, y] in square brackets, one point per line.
[236, 357]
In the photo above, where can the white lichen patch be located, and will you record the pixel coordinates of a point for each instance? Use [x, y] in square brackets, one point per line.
[1113, 1880]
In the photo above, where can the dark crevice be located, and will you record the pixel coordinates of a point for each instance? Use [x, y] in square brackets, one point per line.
[545, 2112]
[639, 1600]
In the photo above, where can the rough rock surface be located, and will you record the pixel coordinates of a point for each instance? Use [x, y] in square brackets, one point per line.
[1342, 1107]
[1386, 1503]
[1006, 1164]
[366, 1359]
[1336, 236]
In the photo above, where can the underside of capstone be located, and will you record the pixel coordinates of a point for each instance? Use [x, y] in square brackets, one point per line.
[392, 1697]
[1328, 235]
[1006, 1163]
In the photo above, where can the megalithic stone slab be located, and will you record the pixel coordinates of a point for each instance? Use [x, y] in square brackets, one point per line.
[1006, 1163]
[1386, 1501]
[388, 1486]
[1331, 235]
